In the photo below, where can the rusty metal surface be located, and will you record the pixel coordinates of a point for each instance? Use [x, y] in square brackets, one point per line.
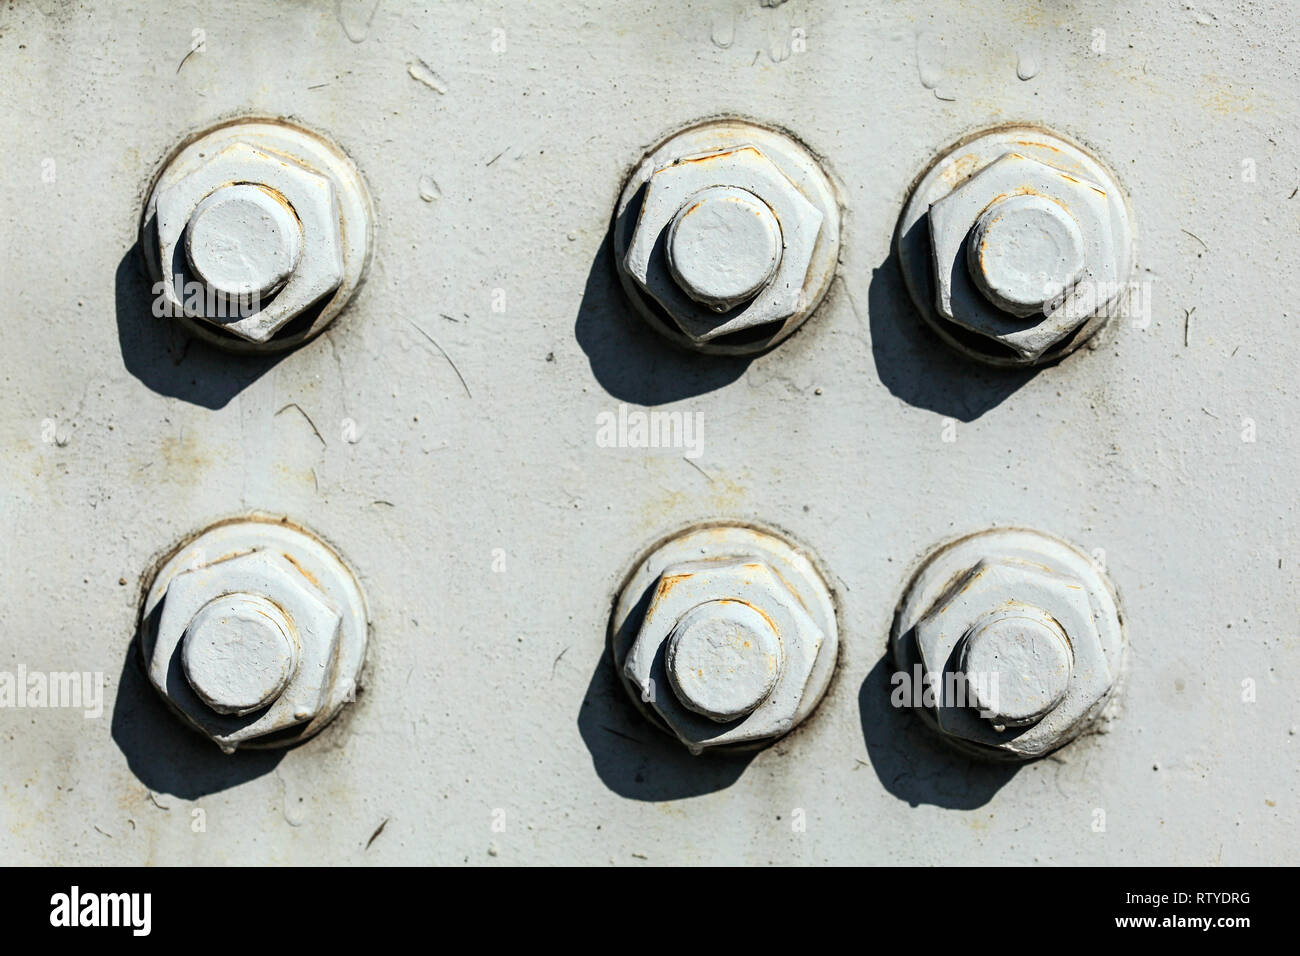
[445, 434]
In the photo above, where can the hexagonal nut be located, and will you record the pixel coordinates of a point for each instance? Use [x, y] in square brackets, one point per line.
[668, 190]
[749, 581]
[313, 199]
[957, 297]
[987, 588]
[313, 616]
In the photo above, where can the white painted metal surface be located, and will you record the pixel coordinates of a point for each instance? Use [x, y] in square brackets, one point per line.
[445, 433]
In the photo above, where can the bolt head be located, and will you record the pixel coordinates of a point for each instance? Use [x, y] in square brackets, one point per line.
[243, 241]
[1025, 251]
[239, 653]
[933, 256]
[1011, 585]
[723, 659]
[1016, 662]
[969, 288]
[312, 200]
[798, 222]
[1008, 573]
[704, 566]
[273, 578]
[745, 581]
[724, 245]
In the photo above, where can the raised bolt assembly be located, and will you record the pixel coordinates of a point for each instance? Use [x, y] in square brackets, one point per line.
[1016, 246]
[725, 637]
[1015, 638]
[726, 237]
[256, 233]
[255, 633]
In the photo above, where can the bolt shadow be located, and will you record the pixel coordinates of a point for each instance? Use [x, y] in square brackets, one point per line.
[634, 758]
[163, 753]
[639, 761]
[629, 359]
[910, 759]
[915, 364]
[157, 350]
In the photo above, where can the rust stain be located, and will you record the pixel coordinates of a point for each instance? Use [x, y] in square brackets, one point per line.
[230, 555]
[184, 453]
[726, 494]
[1224, 98]
[1033, 145]
[959, 170]
[753, 607]
[713, 157]
[301, 570]
[278, 197]
[790, 586]
[666, 584]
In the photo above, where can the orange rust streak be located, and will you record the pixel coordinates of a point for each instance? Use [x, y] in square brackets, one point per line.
[301, 570]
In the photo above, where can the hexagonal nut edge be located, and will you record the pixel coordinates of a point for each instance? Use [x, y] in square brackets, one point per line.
[313, 615]
[799, 167]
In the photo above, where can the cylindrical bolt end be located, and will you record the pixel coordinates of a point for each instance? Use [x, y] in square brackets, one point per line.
[723, 659]
[239, 653]
[723, 246]
[243, 241]
[1025, 252]
[1016, 663]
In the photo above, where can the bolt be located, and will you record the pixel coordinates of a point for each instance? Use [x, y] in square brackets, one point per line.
[727, 237]
[244, 240]
[1024, 251]
[724, 246]
[1016, 246]
[270, 220]
[723, 659]
[239, 653]
[725, 636]
[1014, 629]
[1017, 663]
[260, 646]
